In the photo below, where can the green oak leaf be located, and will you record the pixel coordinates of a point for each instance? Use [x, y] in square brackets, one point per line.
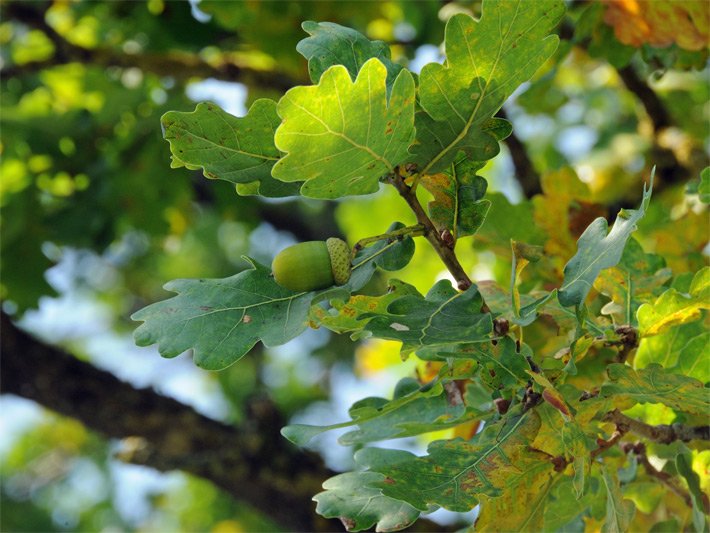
[358, 506]
[654, 384]
[638, 278]
[619, 511]
[238, 150]
[673, 307]
[458, 192]
[444, 318]
[222, 319]
[412, 411]
[332, 44]
[597, 250]
[682, 349]
[455, 472]
[341, 136]
[485, 62]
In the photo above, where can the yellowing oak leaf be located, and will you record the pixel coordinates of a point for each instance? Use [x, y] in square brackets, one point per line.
[660, 22]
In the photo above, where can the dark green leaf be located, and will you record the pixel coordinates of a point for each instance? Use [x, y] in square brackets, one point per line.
[455, 472]
[332, 44]
[350, 498]
[238, 150]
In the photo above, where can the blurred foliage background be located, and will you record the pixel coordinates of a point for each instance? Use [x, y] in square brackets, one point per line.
[94, 220]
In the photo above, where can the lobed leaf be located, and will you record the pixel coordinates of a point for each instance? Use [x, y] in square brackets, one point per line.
[238, 150]
[358, 506]
[341, 136]
[331, 44]
[682, 349]
[653, 384]
[638, 278]
[485, 62]
[597, 250]
[443, 319]
[455, 472]
[412, 411]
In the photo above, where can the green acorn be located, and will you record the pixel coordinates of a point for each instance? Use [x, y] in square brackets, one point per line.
[312, 265]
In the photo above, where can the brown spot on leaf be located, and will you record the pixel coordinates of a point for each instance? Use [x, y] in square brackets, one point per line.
[246, 319]
[556, 402]
[389, 481]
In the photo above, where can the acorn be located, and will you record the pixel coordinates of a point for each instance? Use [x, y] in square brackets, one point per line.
[312, 265]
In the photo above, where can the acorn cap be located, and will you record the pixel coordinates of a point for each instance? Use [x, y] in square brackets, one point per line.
[339, 260]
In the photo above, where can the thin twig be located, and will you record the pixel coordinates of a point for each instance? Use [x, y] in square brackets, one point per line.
[446, 254]
[662, 433]
[639, 450]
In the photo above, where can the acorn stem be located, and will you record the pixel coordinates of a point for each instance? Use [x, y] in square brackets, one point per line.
[408, 231]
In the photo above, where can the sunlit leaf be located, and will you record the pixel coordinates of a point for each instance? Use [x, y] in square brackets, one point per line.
[659, 23]
[341, 136]
[674, 308]
[682, 349]
[485, 62]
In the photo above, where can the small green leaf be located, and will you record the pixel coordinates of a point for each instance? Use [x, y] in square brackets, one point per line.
[653, 384]
[350, 498]
[341, 136]
[332, 44]
[238, 150]
[673, 308]
[455, 472]
[597, 250]
[458, 192]
[619, 511]
[504, 366]
[485, 62]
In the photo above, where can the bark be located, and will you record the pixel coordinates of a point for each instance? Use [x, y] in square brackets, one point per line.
[253, 463]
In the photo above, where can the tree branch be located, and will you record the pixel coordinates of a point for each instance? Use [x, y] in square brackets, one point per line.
[175, 64]
[446, 253]
[253, 462]
[664, 434]
[639, 450]
[525, 173]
